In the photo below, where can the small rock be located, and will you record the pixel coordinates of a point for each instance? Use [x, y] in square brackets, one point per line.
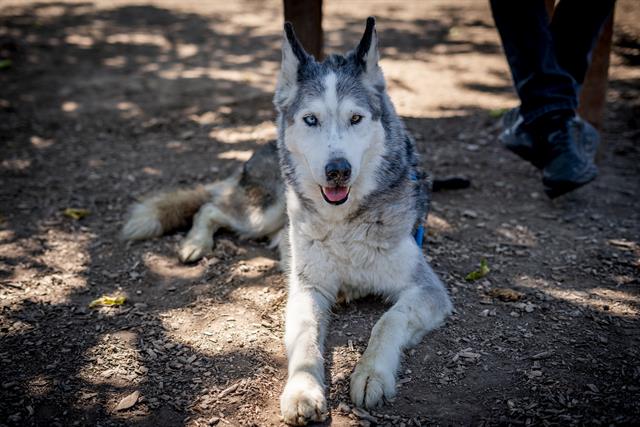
[469, 355]
[343, 407]
[340, 376]
[534, 374]
[469, 213]
[542, 355]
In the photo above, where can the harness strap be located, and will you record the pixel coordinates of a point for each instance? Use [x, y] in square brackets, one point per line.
[419, 233]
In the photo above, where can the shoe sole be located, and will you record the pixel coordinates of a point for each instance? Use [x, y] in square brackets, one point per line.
[525, 152]
[558, 188]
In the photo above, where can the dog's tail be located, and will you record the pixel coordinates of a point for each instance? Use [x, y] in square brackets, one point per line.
[161, 213]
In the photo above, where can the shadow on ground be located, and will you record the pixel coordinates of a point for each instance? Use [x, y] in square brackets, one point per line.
[103, 104]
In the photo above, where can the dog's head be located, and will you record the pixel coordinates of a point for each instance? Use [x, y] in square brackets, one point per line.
[331, 119]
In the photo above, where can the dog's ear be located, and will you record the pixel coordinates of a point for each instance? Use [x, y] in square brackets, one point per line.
[293, 58]
[367, 54]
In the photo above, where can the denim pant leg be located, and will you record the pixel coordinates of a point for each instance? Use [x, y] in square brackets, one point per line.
[542, 84]
[575, 26]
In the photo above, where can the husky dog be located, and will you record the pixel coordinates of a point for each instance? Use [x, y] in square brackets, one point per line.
[251, 202]
[344, 215]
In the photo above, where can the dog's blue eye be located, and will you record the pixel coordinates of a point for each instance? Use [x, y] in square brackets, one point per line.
[310, 120]
[355, 119]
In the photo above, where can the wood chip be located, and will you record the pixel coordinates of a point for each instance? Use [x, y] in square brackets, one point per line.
[228, 390]
[128, 401]
[364, 415]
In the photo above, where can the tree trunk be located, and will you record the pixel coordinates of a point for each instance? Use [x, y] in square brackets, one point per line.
[306, 17]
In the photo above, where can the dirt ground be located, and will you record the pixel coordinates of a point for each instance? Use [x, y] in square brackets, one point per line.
[106, 101]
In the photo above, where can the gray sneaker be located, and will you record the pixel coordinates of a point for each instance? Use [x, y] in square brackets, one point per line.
[569, 153]
[518, 140]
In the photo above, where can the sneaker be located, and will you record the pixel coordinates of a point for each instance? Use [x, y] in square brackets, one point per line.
[569, 154]
[517, 139]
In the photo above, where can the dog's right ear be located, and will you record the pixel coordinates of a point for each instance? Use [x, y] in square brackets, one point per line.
[294, 57]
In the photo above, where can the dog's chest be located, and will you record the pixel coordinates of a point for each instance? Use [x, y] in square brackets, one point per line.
[353, 247]
[364, 262]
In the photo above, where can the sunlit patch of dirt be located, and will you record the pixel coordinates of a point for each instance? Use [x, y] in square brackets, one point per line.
[600, 299]
[113, 360]
[231, 135]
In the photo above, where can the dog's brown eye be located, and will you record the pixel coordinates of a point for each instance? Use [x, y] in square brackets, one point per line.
[355, 119]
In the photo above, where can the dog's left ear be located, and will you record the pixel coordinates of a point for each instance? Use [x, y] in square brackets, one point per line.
[367, 54]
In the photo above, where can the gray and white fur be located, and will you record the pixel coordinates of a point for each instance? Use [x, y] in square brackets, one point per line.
[349, 187]
[339, 109]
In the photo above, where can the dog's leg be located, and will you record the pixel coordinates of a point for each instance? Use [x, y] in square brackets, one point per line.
[199, 241]
[306, 319]
[420, 307]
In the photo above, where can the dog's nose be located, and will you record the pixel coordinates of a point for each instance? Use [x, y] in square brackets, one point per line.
[338, 170]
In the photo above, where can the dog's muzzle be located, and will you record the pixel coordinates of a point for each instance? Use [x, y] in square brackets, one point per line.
[337, 173]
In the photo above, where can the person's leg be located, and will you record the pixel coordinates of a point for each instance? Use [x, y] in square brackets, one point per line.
[545, 130]
[543, 86]
[575, 28]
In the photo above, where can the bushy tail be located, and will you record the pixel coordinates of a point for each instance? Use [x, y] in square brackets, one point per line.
[163, 212]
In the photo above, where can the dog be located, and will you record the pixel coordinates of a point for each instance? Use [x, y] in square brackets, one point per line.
[251, 202]
[342, 194]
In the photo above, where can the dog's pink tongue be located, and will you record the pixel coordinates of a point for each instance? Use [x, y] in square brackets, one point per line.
[335, 194]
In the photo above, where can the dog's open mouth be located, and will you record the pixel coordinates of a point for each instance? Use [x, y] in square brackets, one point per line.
[335, 195]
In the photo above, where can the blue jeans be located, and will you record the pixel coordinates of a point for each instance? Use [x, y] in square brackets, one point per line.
[549, 60]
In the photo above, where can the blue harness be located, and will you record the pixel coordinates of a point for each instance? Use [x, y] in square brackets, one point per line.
[419, 233]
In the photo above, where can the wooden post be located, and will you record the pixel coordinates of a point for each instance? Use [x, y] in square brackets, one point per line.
[306, 17]
[593, 96]
[550, 5]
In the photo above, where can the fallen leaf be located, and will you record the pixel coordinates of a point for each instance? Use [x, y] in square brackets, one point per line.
[5, 63]
[76, 213]
[497, 112]
[479, 273]
[107, 301]
[88, 395]
[505, 294]
[622, 244]
[128, 401]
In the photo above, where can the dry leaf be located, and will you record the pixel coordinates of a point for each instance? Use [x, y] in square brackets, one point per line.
[128, 401]
[479, 273]
[76, 213]
[107, 301]
[505, 294]
[623, 244]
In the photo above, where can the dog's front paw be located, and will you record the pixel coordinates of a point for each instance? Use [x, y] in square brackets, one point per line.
[303, 401]
[369, 385]
[192, 250]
